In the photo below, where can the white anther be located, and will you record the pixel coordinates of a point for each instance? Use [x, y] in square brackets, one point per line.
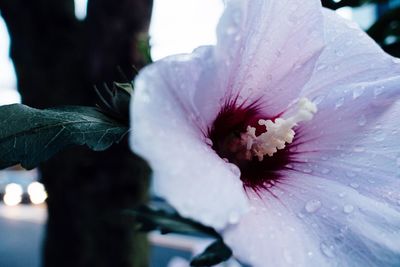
[277, 133]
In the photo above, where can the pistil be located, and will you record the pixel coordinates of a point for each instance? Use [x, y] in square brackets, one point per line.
[277, 133]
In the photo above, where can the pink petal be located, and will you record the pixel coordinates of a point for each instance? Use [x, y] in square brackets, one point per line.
[267, 49]
[168, 131]
[309, 221]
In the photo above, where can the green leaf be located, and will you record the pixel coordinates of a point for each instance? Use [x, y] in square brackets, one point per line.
[29, 136]
[116, 101]
[149, 219]
[169, 221]
[216, 253]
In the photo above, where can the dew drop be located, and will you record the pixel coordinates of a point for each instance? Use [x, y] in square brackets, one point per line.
[339, 53]
[233, 217]
[307, 170]
[378, 90]
[349, 43]
[208, 141]
[312, 206]
[362, 120]
[267, 184]
[359, 149]
[354, 185]
[339, 103]
[235, 169]
[289, 166]
[320, 67]
[230, 30]
[328, 249]
[358, 92]
[348, 209]
[396, 60]
[301, 215]
[318, 99]
[379, 136]
[325, 170]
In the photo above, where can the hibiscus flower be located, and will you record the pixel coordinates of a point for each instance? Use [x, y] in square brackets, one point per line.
[284, 136]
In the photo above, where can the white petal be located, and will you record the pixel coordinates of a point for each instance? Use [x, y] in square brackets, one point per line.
[350, 56]
[267, 49]
[354, 137]
[271, 235]
[309, 221]
[169, 132]
[357, 143]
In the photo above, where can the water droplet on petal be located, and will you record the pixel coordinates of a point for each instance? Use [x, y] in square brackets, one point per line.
[301, 215]
[328, 249]
[312, 206]
[362, 120]
[318, 99]
[208, 141]
[396, 60]
[359, 149]
[378, 90]
[320, 67]
[357, 92]
[325, 170]
[235, 169]
[348, 209]
[339, 53]
[379, 136]
[234, 217]
[354, 185]
[339, 103]
[307, 170]
[267, 184]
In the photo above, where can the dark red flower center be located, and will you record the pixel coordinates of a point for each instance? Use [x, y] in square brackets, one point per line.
[225, 133]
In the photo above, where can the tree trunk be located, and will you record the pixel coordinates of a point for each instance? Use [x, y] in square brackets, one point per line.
[58, 60]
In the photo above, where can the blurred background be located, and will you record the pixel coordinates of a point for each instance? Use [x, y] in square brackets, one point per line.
[66, 213]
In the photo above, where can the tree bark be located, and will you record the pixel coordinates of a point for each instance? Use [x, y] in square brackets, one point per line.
[58, 60]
